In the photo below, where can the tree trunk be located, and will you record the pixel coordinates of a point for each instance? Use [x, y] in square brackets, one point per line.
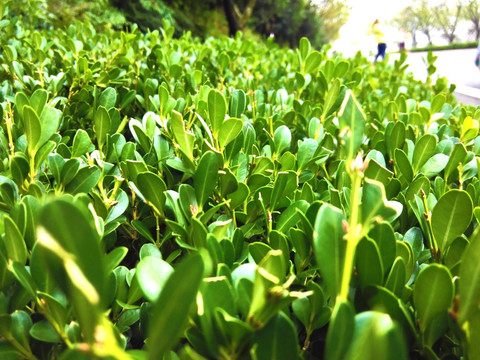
[232, 19]
[237, 20]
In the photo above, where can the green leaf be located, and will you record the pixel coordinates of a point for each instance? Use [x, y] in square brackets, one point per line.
[277, 339]
[432, 295]
[50, 120]
[108, 98]
[375, 203]
[238, 103]
[352, 123]
[396, 279]
[44, 331]
[329, 246]
[28, 289]
[81, 143]
[378, 172]
[403, 166]
[228, 131]
[33, 128]
[14, 242]
[38, 100]
[217, 110]
[184, 138]
[152, 188]
[450, 217]
[282, 138]
[84, 180]
[304, 47]
[434, 165]
[340, 331]
[437, 103]
[102, 124]
[331, 97]
[285, 183]
[458, 155]
[289, 217]
[239, 196]
[20, 327]
[69, 169]
[396, 140]
[377, 336]
[313, 61]
[205, 178]
[43, 153]
[369, 263]
[424, 150]
[152, 274]
[306, 151]
[469, 288]
[171, 311]
[68, 230]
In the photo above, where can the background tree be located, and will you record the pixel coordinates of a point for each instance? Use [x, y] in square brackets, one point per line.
[407, 21]
[447, 15]
[471, 12]
[424, 17]
[334, 14]
[236, 18]
[289, 20]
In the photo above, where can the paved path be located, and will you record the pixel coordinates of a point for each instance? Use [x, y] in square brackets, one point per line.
[456, 65]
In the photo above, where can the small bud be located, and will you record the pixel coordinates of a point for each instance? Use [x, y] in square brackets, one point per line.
[358, 164]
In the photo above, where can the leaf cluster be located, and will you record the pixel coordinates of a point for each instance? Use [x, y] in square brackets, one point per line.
[177, 198]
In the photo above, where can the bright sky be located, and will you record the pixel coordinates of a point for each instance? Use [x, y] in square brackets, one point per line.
[353, 35]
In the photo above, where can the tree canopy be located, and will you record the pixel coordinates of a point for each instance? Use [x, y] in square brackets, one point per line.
[288, 20]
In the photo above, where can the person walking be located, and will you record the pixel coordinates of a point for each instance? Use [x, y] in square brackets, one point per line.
[379, 33]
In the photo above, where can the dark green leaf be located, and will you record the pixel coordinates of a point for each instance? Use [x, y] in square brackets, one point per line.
[450, 217]
[171, 310]
[205, 178]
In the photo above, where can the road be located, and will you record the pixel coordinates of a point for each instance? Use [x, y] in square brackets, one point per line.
[456, 65]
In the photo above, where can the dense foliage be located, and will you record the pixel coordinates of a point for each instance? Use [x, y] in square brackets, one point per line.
[289, 20]
[173, 198]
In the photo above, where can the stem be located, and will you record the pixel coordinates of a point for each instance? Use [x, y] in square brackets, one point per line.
[354, 233]
[27, 353]
[254, 115]
[268, 219]
[32, 174]
[431, 239]
[158, 231]
[8, 123]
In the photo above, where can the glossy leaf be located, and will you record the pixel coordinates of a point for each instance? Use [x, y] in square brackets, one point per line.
[102, 125]
[433, 296]
[469, 287]
[152, 187]
[205, 177]
[81, 143]
[329, 246]
[217, 110]
[171, 310]
[352, 124]
[377, 336]
[84, 180]
[450, 217]
[424, 150]
[282, 138]
[14, 242]
[277, 340]
[33, 129]
[152, 274]
[340, 332]
[228, 131]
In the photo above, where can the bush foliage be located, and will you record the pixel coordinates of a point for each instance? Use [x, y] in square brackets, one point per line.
[177, 198]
